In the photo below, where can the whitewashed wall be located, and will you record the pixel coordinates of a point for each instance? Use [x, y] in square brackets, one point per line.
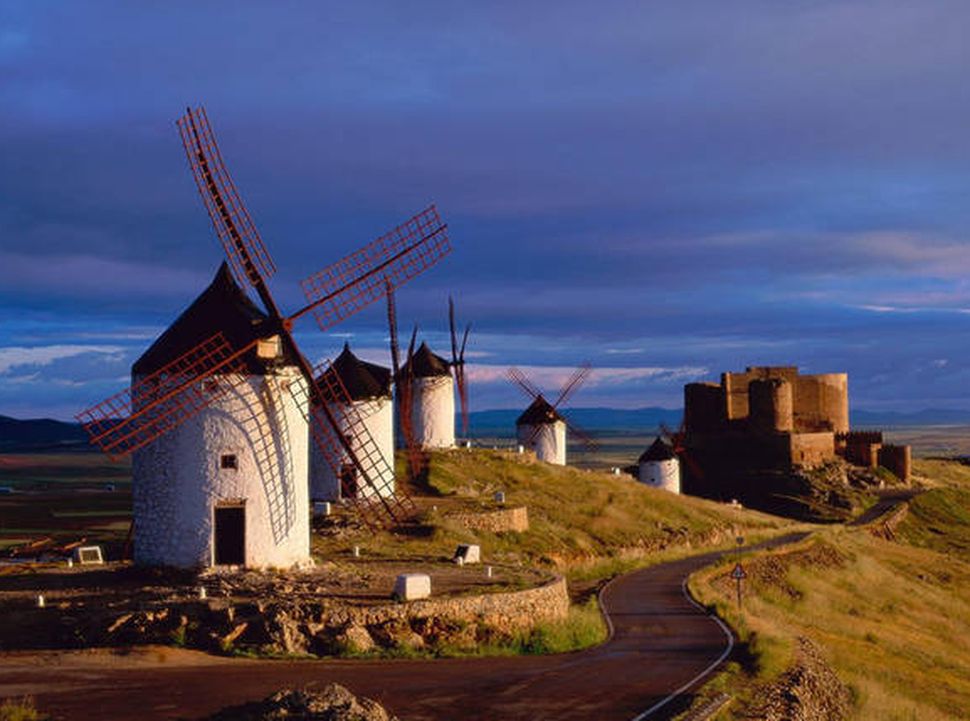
[549, 443]
[378, 415]
[177, 480]
[661, 474]
[433, 411]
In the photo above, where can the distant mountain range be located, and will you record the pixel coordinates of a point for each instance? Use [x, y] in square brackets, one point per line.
[41, 434]
[49, 435]
[609, 420]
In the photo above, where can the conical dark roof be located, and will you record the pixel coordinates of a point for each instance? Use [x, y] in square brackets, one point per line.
[425, 364]
[222, 307]
[658, 451]
[362, 380]
[539, 413]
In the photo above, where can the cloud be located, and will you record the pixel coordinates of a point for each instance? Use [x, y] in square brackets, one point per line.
[553, 377]
[86, 276]
[19, 357]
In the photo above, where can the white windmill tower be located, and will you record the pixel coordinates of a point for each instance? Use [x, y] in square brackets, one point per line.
[229, 484]
[432, 399]
[541, 427]
[659, 467]
[219, 410]
[369, 392]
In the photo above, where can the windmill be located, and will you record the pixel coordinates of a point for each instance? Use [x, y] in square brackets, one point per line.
[403, 389]
[458, 364]
[678, 444]
[163, 400]
[542, 427]
[432, 399]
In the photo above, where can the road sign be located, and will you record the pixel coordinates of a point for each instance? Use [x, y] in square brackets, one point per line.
[738, 572]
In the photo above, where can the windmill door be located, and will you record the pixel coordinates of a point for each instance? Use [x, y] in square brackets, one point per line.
[348, 481]
[229, 535]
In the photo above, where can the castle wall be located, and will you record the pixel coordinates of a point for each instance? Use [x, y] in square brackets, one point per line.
[770, 405]
[822, 403]
[661, 474]
[178, 480]
[811, 449]
[549, 443]
[735, 386]
[378, 418]
[704, 405]
[433, 411]
[897, 459]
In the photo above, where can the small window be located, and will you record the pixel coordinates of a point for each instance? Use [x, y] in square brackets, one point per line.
[228, 460]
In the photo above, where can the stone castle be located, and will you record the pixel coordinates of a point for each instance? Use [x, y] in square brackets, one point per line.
[771, 419]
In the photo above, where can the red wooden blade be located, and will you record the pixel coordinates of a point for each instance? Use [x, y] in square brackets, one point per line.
[163, 400]
[518, 377]
[573, 384]
[244, 248]
[583, 436]
[451, 326]
[342, 417]
[363, 277]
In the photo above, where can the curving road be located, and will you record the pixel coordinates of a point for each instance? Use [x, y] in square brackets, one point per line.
[662, 643]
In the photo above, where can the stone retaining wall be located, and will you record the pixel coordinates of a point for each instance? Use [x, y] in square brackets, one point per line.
[506, 519]
[279, 625]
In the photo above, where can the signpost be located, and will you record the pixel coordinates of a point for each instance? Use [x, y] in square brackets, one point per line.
[738, 573]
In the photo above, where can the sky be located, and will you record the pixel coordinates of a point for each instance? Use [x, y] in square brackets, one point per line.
[664, 190]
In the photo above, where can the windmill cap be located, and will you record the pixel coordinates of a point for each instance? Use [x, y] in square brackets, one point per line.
[658, 451]
[361, 379]
[539, 412]
[222, 307]
[425, 364]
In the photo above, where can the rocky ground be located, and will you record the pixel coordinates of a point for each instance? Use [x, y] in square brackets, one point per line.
[334, 608]
[334, 703]
[808, 691]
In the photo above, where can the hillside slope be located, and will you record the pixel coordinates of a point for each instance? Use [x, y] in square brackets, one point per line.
[586, 524]
[887, 609]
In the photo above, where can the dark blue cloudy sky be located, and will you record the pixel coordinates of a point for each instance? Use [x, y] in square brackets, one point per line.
[665, 189]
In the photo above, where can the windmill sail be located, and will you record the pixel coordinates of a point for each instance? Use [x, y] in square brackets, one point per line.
[356, 281]
[236, 231]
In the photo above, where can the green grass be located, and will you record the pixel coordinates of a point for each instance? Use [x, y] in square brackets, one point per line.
[20, 710]
[893, 619]
[593, 523]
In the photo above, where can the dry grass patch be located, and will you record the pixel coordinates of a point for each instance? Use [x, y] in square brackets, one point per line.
[893, 620]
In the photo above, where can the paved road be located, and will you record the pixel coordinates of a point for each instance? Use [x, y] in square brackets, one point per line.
[889, 499]
[660, 642]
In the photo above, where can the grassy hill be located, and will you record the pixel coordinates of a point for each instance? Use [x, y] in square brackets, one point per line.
[888, 609]
[587, 525]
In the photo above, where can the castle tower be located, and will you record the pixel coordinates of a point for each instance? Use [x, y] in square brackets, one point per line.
[770, 405]
[229, 485]
[369, 388]
[541, 429]
[659, 467]
[432, 399]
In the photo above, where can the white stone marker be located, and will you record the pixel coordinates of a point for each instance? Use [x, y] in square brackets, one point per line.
[202, 592]
[468, 553]
[40, 601]
[89, 555]
[500, 497]
[410, 586]
[356, 551]
[322, 508]
[488, 571]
